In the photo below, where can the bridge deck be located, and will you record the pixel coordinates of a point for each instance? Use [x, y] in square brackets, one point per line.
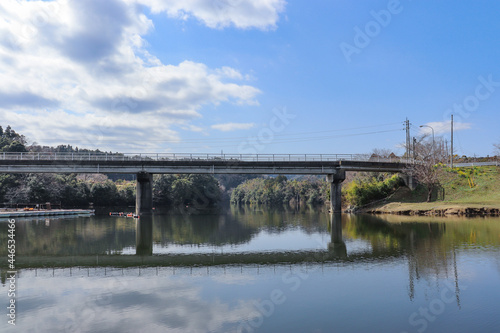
[193, 164]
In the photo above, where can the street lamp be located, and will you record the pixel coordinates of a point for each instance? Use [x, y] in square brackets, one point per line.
[432, 136]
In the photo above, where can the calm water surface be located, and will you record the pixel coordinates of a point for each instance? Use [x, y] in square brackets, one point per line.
[255, 270]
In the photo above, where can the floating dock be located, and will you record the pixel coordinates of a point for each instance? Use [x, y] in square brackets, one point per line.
[52, 212]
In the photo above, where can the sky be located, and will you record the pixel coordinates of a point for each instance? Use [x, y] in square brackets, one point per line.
[250, 76]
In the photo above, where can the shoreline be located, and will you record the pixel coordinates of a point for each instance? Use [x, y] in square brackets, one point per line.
[44, 212]
[434, 209]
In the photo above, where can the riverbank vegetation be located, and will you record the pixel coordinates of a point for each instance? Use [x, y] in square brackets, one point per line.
[370, 188]
[281, 191]
[463, 191]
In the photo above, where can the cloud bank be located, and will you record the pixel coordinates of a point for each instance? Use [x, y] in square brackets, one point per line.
[444, 127]
[79, 70]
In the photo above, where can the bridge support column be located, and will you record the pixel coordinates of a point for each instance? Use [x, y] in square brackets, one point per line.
[144, 194]
[410, 181]
[335, 181]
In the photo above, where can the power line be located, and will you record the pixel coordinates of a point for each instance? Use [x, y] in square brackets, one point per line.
[293, 136]
[298, 140]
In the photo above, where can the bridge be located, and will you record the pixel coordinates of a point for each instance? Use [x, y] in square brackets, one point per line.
[333, 166]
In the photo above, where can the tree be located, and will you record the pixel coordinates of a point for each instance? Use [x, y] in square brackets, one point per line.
[10, 141]
[206, 189]
[426, 169]
[9, 183]
[76, 193]
[497, 149]
[104, 194]
[126, 192]
[162, 189]
[181, 191]
[14, 146]
[381, 152]
[279, 191]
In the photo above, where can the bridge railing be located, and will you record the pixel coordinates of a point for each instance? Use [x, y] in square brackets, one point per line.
[473, 164]
[101, 156]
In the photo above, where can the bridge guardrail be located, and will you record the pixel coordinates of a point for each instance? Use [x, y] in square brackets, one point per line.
[40, 156]
[473, 164]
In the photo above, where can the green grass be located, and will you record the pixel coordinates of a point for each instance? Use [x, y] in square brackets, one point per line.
[486, 189]
[457, 191]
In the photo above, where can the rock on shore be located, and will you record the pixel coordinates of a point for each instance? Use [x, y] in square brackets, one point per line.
[460, 211]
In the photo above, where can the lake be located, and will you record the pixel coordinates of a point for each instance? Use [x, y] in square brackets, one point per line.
[254, 269]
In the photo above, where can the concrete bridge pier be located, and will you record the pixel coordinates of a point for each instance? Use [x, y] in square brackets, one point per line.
[144, 194]
[410, 181]
[335, 181]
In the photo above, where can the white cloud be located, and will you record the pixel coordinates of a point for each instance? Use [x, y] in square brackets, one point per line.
[151, 304]
[78, 70]
[243, 14]
[227, 127]
[443, 127]
[230, 73]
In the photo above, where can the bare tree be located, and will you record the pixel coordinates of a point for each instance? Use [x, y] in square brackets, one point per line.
[428, 154]
[382, 152]
[497, 149]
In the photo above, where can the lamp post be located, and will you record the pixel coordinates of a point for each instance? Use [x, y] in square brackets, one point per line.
[432, 136]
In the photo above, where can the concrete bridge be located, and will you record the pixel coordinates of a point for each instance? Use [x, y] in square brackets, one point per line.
[333, 166]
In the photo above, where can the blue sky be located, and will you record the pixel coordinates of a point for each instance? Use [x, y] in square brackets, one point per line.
[242, 76]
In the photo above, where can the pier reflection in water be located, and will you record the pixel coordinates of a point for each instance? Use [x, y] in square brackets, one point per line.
[337, 245]
[144, 235]
[257, 270]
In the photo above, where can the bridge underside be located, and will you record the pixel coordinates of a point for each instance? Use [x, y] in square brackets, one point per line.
[196, 167]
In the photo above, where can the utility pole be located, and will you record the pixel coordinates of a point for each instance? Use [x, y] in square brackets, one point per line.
[414, 152]
[446, 148]
[408, 140]
[451, 155]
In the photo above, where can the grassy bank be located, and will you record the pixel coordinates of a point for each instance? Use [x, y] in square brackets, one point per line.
[464, 191]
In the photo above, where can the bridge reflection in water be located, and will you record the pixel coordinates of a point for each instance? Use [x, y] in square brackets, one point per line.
[429, 248]
[336, 247]
[227, 239]
[190, 241]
